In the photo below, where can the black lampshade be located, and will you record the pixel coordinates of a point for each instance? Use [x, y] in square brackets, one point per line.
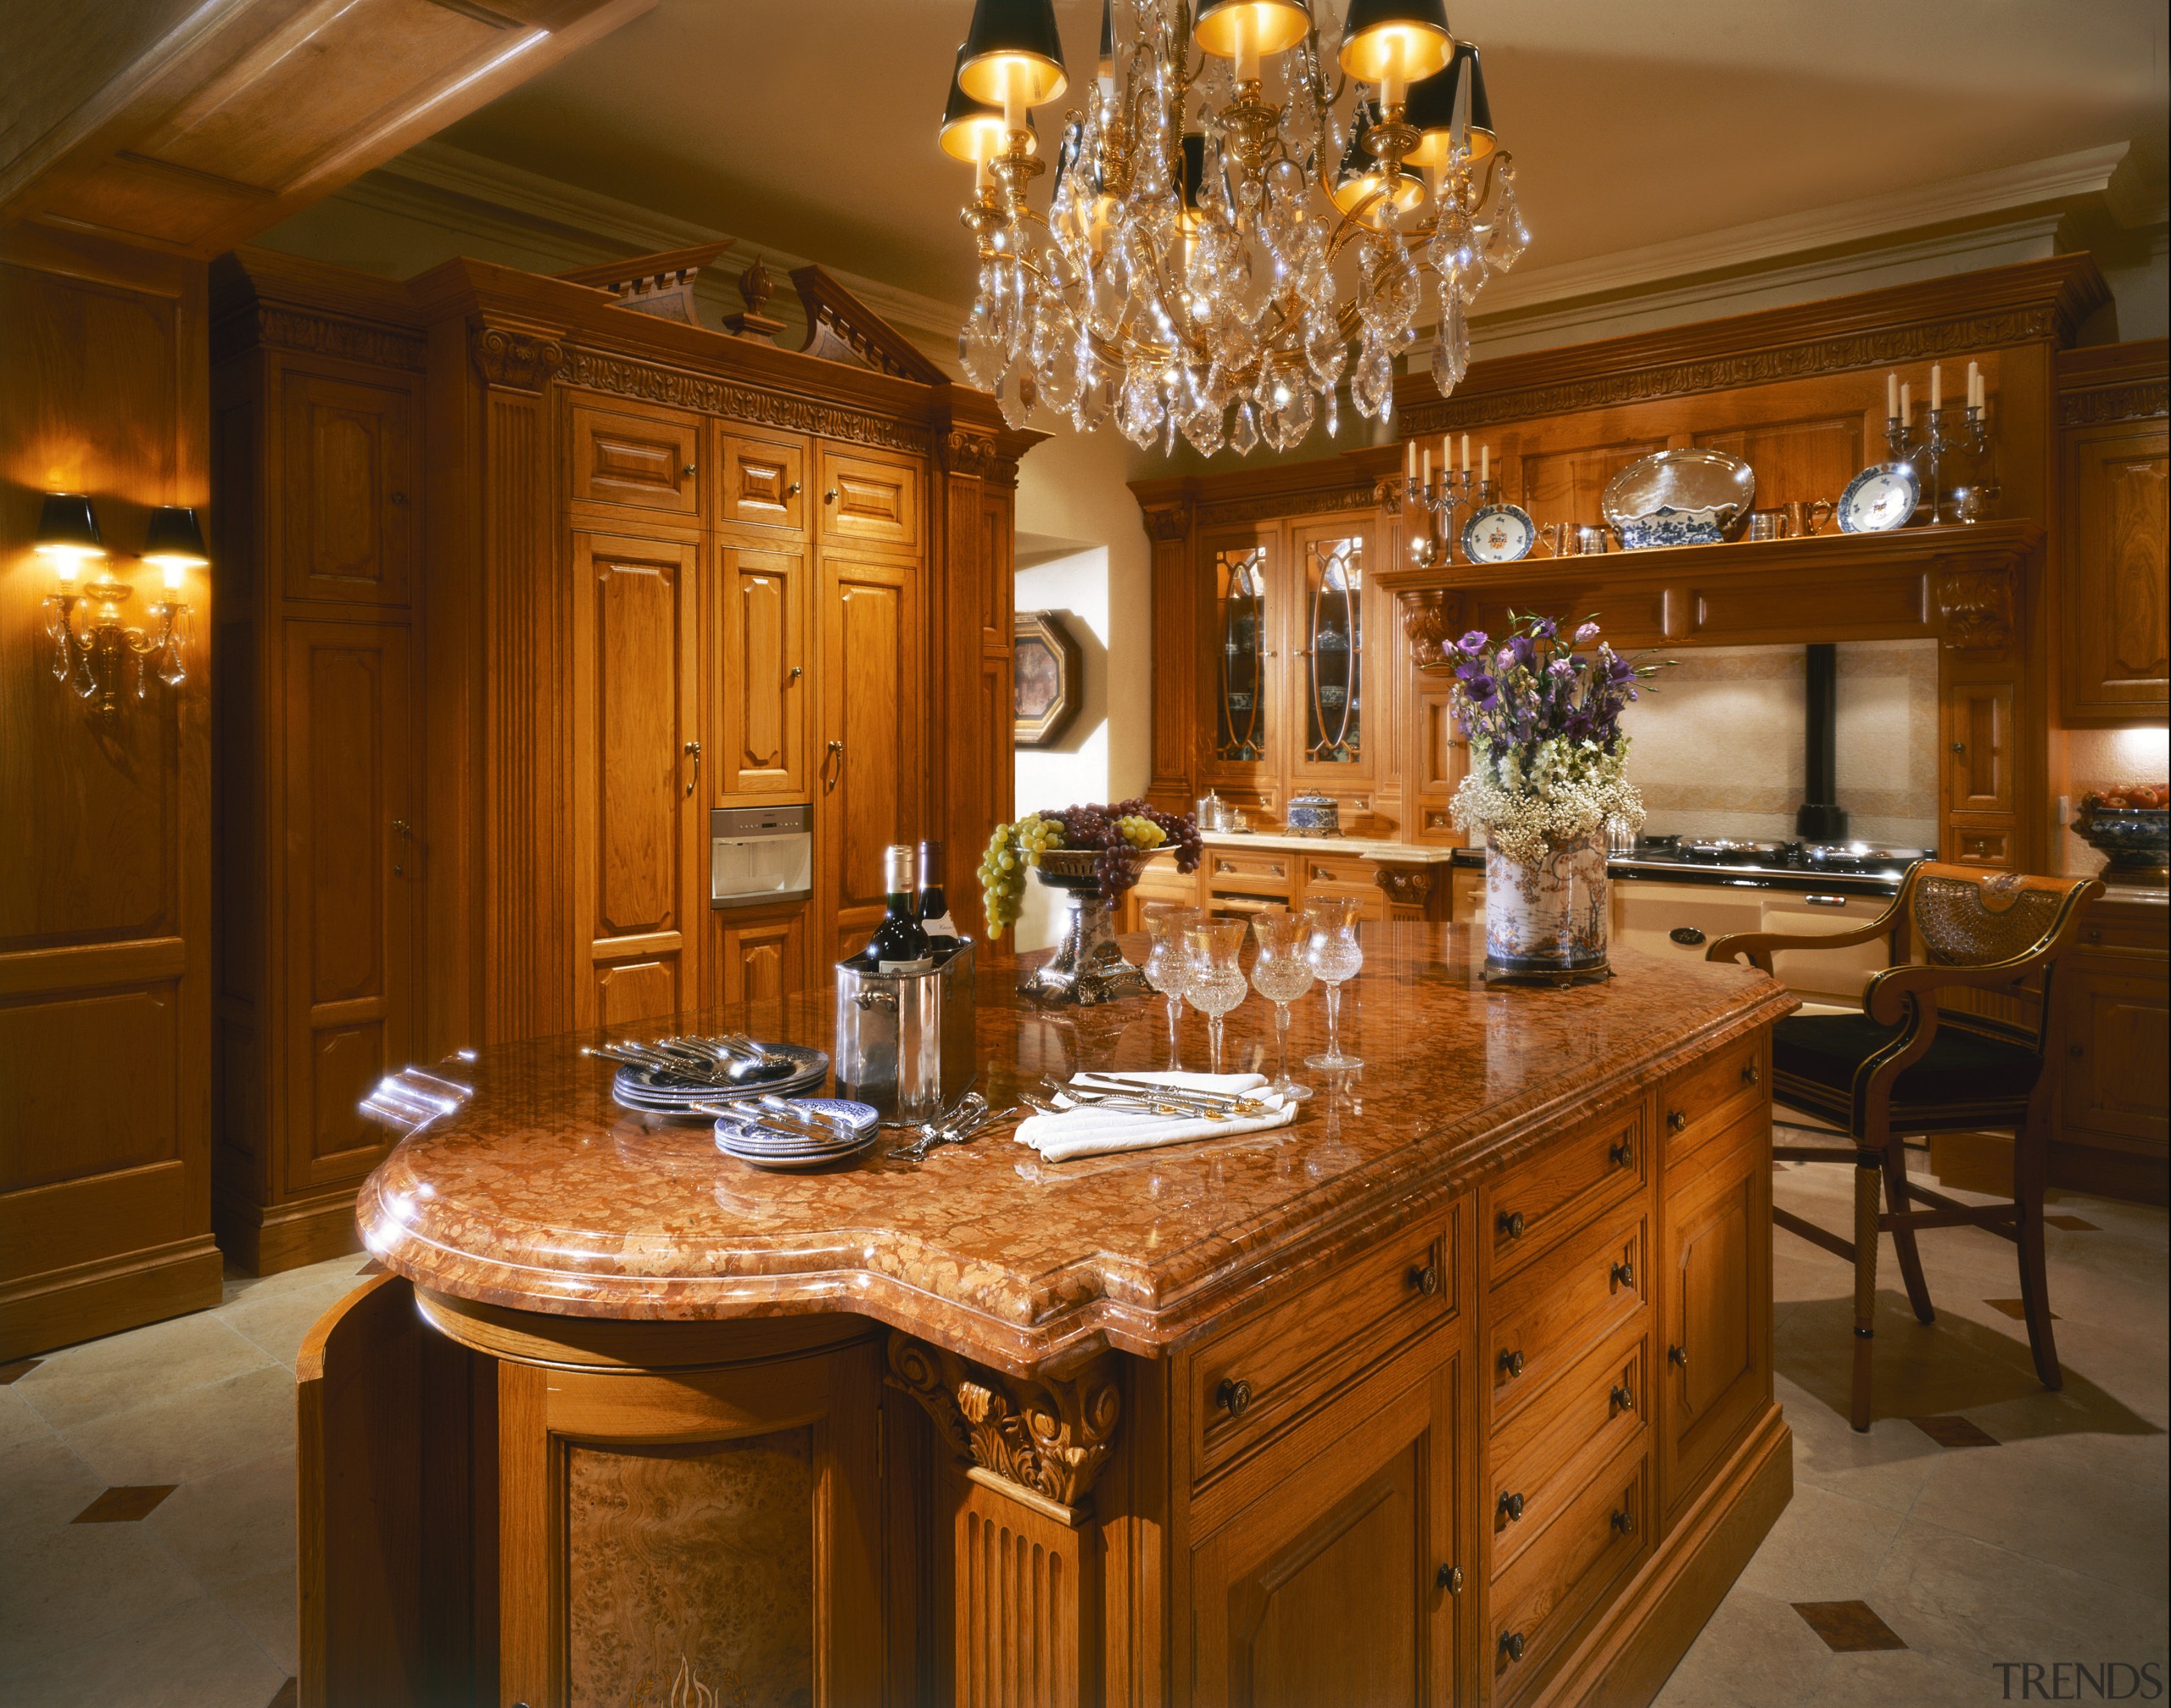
[68, 528]
[174, 537]
[1194, 167]
[1480, 109]
[972, 131]
[1410, 36]
[1272, 27]
[1014, 47]
[1108, 37]
[1432, 110]
[1361, 174]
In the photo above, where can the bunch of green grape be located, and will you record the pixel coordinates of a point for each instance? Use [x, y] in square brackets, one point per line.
[1010, 851]
[1140, 833]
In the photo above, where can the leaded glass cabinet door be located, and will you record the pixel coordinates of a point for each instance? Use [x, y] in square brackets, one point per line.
[1329, 681]
[1242, 677]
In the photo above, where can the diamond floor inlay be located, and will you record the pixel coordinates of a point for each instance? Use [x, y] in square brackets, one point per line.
[20, 1368]
[1848, 1627]
[2016, 1308]
[125, 1505]
[1955, 1432]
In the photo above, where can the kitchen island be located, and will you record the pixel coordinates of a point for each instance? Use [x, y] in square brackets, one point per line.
[1458, 1389]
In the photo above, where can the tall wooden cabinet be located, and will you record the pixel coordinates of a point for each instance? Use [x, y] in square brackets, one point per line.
[470, 745]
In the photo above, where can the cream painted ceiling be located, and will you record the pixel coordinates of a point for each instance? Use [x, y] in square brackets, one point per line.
[809, 124]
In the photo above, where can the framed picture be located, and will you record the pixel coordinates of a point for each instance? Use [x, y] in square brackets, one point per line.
[1046, 683]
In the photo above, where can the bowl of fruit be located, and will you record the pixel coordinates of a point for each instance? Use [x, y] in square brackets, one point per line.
[2130, 825]
[1092, 854]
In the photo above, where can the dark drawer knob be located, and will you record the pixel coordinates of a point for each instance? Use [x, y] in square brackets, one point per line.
[1677, 1120]
[1622, 1154]
[1620, 1399]
[1750, 1076]
[2091, 936]
[1511, 1508]
[1511, 1644]
[2075, 1051]
[1624, 1522]
[1512, 1362]
[1425, 1279]
[1235, 1395]
[1686, 935]
[1449, 1578]
[1511, 1225]
[1678, 1355]
[1624, 1275]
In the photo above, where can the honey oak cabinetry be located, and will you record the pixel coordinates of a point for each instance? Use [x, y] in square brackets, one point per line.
[2115, 1114]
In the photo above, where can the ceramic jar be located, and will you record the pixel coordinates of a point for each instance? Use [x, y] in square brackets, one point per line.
[1549, 919]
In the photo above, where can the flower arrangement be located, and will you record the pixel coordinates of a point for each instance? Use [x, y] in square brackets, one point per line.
[1547, 752]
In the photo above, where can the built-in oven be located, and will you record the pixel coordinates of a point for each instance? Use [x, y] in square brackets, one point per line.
[759, 854]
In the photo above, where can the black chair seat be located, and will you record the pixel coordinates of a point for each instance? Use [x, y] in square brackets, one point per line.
[1966, 1078]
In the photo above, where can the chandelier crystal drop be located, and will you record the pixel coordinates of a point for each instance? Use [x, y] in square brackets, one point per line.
[1252, 206]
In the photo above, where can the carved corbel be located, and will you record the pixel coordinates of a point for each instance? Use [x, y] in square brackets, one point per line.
[1405, 886]
[1168, 523]
[1976, 602]
[1428, 619]
[516, 361]
[967, 453]
[1049, 1436]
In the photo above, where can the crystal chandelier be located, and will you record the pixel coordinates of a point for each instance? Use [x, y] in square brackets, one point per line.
[1209, 254]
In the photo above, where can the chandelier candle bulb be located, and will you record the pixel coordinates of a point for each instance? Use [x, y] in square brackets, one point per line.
[1906, 404]
[1484, 465]
[1466, 453]
[1937, 387]
[1892, 397]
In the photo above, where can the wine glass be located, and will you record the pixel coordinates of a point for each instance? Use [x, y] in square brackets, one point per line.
[1167, 963]
[1336, 956]
[1216, 983]
[1281, 974]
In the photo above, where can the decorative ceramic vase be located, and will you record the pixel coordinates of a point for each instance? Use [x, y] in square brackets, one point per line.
[1548, 922]
[1088, 967]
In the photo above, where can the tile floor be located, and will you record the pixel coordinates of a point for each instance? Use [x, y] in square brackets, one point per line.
[1982, 1527]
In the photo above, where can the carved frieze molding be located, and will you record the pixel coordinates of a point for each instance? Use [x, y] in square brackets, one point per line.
[1051, 1436]
[1976, 600]
[971, 454]
[1241, 510]
[2141, 398]
[319, 334]
[513, 359]
[1883, 348]
[705, 394]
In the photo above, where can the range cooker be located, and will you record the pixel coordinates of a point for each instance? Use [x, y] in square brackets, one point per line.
[1849, 868]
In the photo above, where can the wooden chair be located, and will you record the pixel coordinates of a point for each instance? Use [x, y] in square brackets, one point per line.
[1903, 1065]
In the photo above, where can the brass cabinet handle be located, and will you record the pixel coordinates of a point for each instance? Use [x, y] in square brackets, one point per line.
[1624, 1275]
[1959, 747]
[1622, 1154]
[694, 748]
[2075, 1051]
[1511, 1225]
[1235, 1395]
[1512, 1362]
[1511, 1508]
[796, 672]
[2091, 936]
[792, 491]
[691, 469]
[1675, 1120]
[830, 496]
[1624, 1521]
[1750, 1076]
[1449, 1578]
[1620, 1399]
[398, 498]
[401, 828]
[1426, 1279]
[837, 752]
[1511, 1644]
[1678, 1355]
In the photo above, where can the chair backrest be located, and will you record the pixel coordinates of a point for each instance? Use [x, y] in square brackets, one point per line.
[1959, 916]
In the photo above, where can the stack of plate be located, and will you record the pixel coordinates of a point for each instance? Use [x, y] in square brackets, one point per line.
[753, 1139]
[654, 1092]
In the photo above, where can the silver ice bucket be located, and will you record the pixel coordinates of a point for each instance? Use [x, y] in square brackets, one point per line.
[905, 1039]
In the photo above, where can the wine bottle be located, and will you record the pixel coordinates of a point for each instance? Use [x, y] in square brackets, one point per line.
[933, 905]
[898, 945]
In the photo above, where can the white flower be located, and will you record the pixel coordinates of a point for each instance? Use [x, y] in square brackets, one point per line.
[1568, 791]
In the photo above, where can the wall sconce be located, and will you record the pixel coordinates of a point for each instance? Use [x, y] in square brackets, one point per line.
[92, 659]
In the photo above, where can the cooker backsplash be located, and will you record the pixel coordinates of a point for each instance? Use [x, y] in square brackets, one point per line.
[1719, 743]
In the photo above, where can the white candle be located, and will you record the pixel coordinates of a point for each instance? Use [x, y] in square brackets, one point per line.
[1891, 396]
[1484, 464]
[1428, 467]
[1975, 382]
[1466, 453]
[1410, 460]
[1906, 405]
[1937, 387]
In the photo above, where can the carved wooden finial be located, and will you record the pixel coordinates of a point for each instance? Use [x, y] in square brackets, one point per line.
[754, 286]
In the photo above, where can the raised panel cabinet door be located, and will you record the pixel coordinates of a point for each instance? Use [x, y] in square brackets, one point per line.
[869, 767]
[761, 674]
[1329, 718]
[1978, 747]
[346, 489]
[1715, 1368]
[871, 501]
[348, 866]
[2116, 597]
[1335, 1587]
[637, 814]
[2117, 1022]
[762, 482]
[646, 460]
[764, 960]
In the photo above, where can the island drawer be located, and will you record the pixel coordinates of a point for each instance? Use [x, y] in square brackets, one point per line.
[1540, 1201]
[1585, 1290]
[1702, 1101]
[1546, 1599]
[1251, 1380]
[1552, 1447]
[1266, 872]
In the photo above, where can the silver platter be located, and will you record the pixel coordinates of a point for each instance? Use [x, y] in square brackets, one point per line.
[1678, 497]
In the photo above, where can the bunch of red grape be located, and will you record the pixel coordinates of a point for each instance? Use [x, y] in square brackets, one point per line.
[1117, 829]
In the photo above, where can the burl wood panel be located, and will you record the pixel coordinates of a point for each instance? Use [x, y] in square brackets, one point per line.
[698, 1557]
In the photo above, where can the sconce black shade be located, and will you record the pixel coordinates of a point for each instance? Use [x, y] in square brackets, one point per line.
[1378, 35]
[971, 130]
[68, 527]
[175, 536]
[1014, 44]
[1432, 109]
[1194, 167]
[1466, 65]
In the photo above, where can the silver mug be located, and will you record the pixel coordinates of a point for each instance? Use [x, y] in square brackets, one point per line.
[1767, 524]
[1592, 537]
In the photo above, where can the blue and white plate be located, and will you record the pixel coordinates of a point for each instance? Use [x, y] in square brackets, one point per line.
[650, 1092]
[751, 1141]
[1881, 496]
[1499, 533]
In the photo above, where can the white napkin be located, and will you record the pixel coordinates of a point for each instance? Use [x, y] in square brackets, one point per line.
[1095, 1130]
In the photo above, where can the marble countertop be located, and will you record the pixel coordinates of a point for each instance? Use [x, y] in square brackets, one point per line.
[1354, 847]
[541, 1194]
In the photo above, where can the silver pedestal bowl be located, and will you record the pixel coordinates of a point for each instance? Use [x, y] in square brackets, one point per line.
[1087, 967]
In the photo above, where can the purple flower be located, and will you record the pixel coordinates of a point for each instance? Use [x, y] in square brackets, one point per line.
[1483, 690]
[1474, 642]
[1561, 666]
[1587, 632]
[1618, 670]
[1526, 654]
[1544, 628]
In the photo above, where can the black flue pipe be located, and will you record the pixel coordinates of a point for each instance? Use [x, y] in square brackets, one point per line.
[1820, 819]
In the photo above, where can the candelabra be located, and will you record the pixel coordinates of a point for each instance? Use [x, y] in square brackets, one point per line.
[1440, 497]
[92, 657]
[1951, 442]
